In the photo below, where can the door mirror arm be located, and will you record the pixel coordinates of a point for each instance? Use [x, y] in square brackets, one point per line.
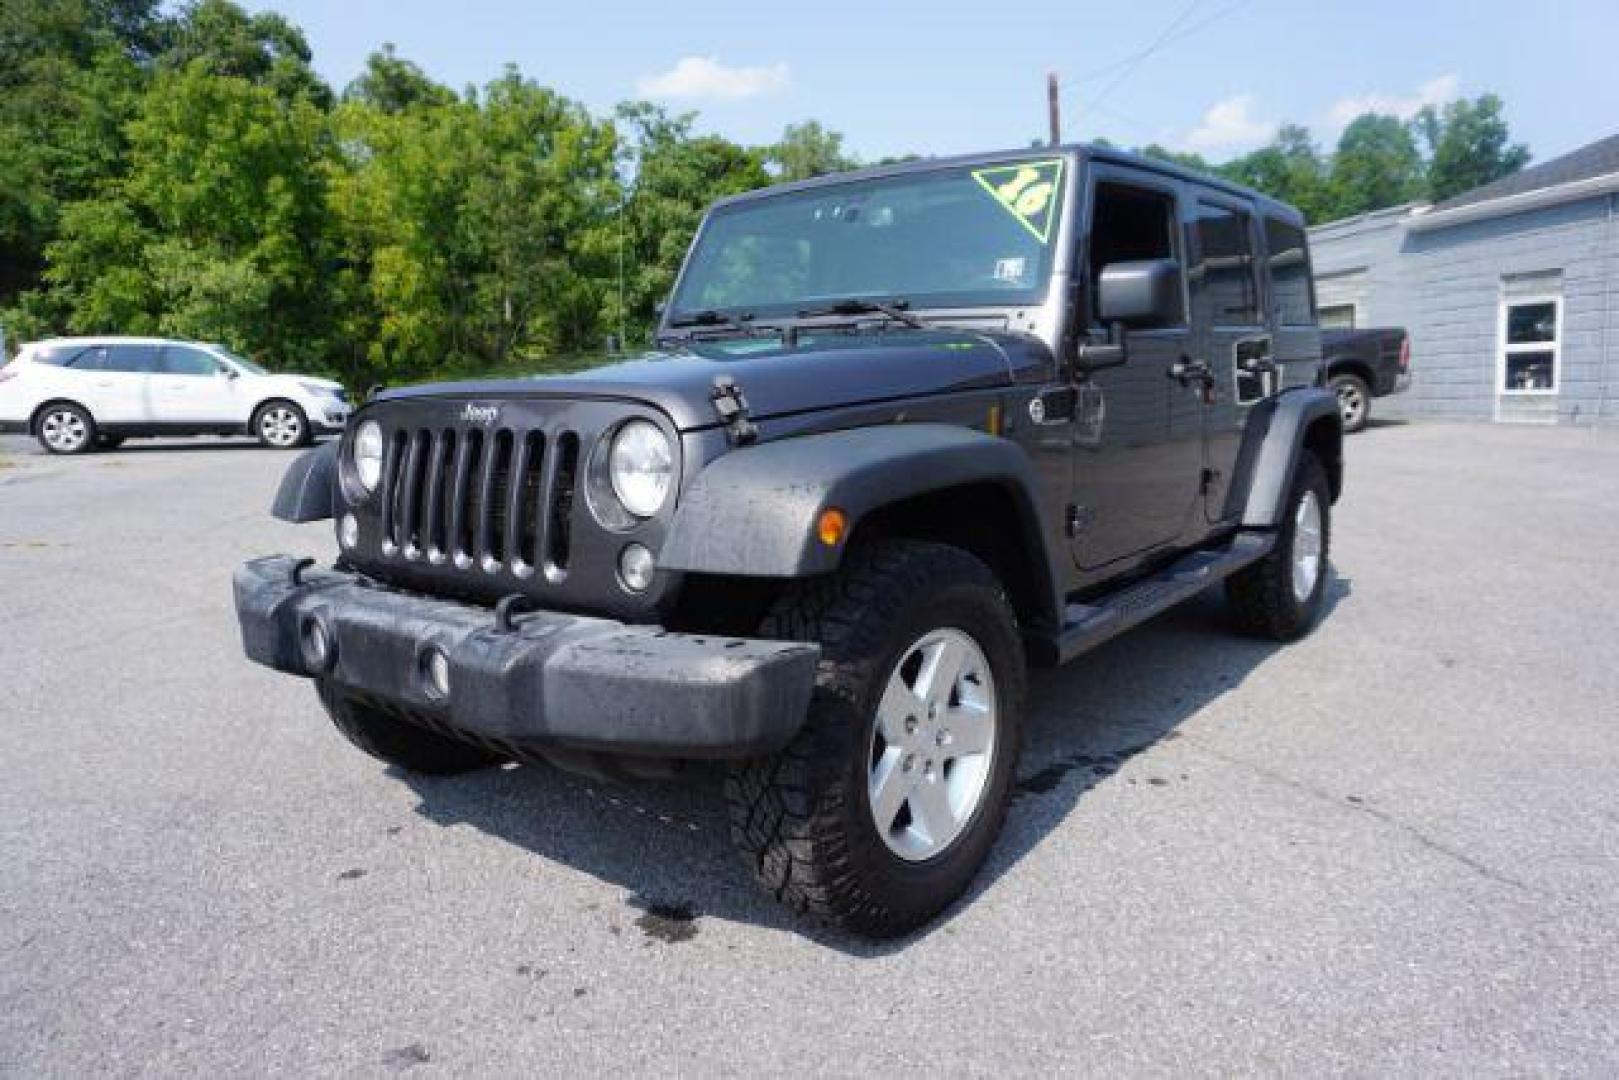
[1098, 356]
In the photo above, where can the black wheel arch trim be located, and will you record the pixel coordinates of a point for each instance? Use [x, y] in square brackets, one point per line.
[1277, 430]
[308, 490]
[753, 512]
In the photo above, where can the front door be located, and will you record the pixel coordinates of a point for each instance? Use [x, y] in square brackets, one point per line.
[1138, 462]
[191, 387]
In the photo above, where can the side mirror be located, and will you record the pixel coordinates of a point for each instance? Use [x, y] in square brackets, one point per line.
[229, 372]
[1141, 295]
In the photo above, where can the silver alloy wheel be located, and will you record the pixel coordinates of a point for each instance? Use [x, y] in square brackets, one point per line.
[1306, 546]
[933, 745]
[280, 426]
[1351, 404]
[64, 430]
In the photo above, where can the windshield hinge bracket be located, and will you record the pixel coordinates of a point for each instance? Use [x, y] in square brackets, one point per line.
[732, 408]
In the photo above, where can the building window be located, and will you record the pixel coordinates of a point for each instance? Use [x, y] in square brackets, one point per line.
[1338, 317]
[1531, 338]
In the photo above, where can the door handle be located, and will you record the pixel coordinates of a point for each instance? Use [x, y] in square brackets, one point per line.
[1186, 369]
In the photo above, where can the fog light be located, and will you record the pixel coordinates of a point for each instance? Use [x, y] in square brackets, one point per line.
[315, 643]
[636, 567]
[436, 667]
[348, 531]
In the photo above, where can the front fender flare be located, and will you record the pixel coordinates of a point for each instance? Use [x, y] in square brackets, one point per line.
[753, 512]
[308, 489]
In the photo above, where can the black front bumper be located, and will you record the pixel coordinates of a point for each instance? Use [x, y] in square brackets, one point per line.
[548, 680]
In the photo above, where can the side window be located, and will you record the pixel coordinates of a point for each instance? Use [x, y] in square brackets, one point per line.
[92, 359]
[184, 360]
[1289, 261]
[1225, 266]
[60, 355]
[1130, 224]
[136, 359]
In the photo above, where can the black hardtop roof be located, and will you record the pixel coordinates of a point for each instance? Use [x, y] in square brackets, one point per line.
[1082, 151]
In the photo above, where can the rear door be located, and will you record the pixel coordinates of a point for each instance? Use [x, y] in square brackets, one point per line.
[111, 381]
[191, 387]
[1234, 335]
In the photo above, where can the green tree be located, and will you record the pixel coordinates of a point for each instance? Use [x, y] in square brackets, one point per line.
[1469, 145]
[391, 84]
[71, 74]
[1290, 168]
[806, 150]
[1175, 157]
[675, 175]
[218, 230]
[1377, 165]
[263, 48]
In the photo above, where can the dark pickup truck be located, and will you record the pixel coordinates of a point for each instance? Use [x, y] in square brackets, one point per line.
[1363, 364]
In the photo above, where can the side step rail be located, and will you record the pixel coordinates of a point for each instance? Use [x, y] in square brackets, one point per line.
[1085, 626]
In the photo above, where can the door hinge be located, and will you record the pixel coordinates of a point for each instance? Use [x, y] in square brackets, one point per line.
[732, 408]
[1078, 520]
[1206, 481]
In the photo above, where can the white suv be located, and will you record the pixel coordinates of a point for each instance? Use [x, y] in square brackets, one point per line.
[77, 393]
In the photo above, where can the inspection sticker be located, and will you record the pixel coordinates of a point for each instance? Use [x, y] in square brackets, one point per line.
[1028, 191]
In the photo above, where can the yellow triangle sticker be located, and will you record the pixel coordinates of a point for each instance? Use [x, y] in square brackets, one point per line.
[1028, 191]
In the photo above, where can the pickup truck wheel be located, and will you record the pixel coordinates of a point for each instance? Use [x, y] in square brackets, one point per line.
[1281, 596]
[399, 742]
[880, 812]
[1354, 401]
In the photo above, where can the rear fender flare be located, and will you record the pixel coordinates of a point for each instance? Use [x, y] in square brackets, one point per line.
[1278, 430]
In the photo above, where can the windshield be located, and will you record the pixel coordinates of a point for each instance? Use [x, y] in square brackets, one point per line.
[240, 361]
[959, 237]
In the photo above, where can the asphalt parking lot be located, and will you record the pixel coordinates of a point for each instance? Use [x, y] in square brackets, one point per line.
[1393, 846]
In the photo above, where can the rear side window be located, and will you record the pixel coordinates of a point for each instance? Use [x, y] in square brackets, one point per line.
[137, 359]
[1225, 266]
[1289, 262]
[57, 355]
[182, 360]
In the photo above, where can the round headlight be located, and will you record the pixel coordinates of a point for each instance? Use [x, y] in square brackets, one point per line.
[641, 467]
[367, 451]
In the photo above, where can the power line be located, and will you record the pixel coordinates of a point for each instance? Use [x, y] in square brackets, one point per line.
[1136, 61]
[1107, 69]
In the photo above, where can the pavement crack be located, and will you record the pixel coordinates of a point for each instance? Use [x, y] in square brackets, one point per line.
[1478, 867]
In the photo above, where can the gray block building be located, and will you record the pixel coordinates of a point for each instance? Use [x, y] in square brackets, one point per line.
[1510, 292]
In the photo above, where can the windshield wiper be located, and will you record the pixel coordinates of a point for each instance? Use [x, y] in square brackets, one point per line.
[854, 305]
[712, 317]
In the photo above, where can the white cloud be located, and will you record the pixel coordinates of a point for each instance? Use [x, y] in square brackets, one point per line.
[703, 77]
[1230, 125]
[1445, 88]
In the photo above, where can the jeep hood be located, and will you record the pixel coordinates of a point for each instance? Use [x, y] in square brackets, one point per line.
[823, 372]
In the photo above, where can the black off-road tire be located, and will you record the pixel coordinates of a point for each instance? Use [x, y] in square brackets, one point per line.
[399, 742]
[801, 818]
[1354, 401]
[1262, 599]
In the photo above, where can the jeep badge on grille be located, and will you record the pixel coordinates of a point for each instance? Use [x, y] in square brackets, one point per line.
[482, 415]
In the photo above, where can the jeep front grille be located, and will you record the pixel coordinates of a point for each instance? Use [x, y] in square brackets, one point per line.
[492, 500]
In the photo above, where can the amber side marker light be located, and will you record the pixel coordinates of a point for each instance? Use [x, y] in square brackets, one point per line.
[832, 525]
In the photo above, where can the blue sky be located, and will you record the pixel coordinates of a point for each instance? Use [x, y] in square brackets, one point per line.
[947, 77]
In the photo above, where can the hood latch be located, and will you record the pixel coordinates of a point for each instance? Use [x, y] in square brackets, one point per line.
[732, 408]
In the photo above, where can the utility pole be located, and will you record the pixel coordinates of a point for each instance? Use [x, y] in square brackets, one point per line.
[1053, 108]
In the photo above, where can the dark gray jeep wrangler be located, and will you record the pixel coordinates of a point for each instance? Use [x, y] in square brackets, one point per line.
[908, 430]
